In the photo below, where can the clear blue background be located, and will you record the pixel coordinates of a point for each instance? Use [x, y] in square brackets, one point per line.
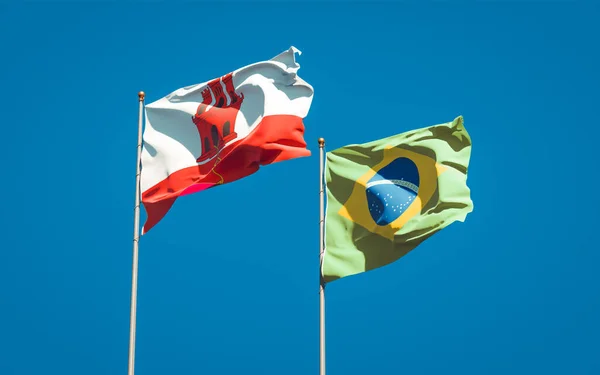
[229, 279]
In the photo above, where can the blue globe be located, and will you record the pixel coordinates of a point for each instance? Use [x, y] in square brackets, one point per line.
[392, 190]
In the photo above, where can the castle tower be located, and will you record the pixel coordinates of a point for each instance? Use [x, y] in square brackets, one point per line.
[215, 116]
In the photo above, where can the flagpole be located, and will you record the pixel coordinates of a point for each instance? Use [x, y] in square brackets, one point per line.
[321, 253]
[136, 239]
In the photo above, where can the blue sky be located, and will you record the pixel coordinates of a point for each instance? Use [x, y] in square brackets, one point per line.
[229, 279]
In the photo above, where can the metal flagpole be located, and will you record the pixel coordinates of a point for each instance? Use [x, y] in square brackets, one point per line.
[321, 252]
[136, 239]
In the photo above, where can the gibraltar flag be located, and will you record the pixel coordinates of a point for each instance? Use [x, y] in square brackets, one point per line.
[219, 131]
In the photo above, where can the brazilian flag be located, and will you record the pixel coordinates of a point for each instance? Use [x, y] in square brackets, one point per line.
[386, 197]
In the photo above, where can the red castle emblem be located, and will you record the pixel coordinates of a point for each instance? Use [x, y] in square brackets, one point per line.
[215, 116]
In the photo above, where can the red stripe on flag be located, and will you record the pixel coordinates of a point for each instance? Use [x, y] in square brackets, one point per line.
[276, 138]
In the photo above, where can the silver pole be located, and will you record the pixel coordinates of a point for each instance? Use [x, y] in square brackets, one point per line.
[321, 251]
[136, 239]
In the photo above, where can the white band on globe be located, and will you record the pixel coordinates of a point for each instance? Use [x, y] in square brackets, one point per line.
[402, 183]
